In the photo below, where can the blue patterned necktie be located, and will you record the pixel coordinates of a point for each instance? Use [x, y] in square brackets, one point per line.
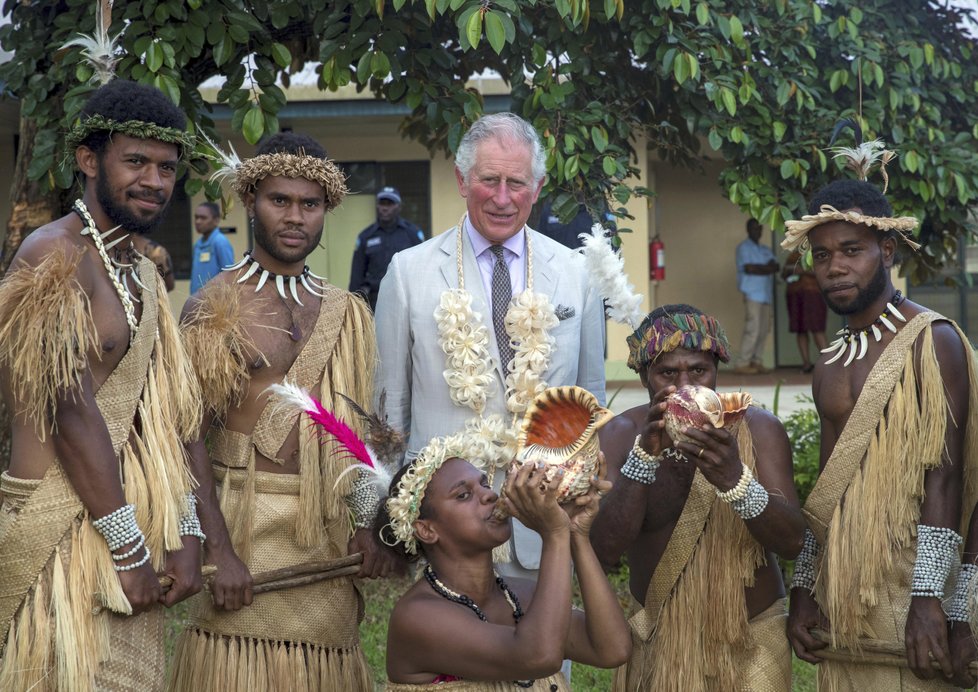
[502, 293]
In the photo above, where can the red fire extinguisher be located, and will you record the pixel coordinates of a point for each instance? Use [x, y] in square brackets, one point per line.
[657, 260]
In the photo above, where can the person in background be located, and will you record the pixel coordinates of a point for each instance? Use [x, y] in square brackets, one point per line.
[377, 244]
[212, 251]
[756, 267]
[806, 308]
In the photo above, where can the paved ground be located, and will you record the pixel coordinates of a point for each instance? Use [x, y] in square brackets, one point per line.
[789, 385]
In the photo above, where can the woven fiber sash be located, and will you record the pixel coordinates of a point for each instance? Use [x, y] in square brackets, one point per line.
[682, 542]
[49, 512]
[233, 448]
[850, 448]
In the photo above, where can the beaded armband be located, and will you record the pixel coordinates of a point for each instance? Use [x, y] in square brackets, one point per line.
[804, 574]
[754, 501]
[640, 466]
[957, 605]
[119, 528]
[363, 501]
[937, 548]
[190, 522]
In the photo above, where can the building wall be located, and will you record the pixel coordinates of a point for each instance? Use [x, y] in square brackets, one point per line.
[701, 230]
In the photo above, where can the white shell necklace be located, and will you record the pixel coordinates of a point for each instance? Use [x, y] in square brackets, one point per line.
[857, 342]
[465, 341]
[313, 283]
[117, 271]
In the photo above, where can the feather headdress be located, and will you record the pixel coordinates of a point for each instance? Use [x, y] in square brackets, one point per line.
[606, 270]
[291, 397]
[862, 157]
[229, 163]
[99, 49]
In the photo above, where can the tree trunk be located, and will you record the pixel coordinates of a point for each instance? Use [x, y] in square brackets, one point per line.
[32, 205]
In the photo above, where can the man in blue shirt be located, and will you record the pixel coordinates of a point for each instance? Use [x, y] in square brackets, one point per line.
[212, 251]
[378, 243]
[756, 267]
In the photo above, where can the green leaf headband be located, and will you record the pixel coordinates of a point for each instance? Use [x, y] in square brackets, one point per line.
[138, 129]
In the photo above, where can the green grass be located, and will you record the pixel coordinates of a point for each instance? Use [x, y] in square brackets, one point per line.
[381, 594]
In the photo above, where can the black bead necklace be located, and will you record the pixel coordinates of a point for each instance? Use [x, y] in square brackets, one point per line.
[514, 602]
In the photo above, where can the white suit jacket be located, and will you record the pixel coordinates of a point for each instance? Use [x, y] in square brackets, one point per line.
[412, 363]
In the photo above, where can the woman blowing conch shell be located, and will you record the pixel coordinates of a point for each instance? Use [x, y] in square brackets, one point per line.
[462, 627]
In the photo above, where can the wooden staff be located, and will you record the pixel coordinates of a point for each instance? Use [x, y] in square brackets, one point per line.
[289, 577]
[872, 652]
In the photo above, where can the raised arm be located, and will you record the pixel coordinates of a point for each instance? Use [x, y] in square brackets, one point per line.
[779, 526]
[598, 636]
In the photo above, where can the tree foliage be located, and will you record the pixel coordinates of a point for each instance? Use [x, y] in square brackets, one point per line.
[762, 82]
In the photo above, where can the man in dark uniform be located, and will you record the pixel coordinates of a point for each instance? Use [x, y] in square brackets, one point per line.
[378, 243]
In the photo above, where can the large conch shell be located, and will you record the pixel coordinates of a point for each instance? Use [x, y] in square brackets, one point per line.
[560, 429]
[694, 406]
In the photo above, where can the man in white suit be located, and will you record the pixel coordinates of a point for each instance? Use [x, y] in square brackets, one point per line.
[499, 168]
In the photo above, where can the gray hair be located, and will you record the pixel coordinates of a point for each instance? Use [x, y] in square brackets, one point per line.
[508, 126]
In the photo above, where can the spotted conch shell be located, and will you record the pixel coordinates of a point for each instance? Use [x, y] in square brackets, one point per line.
[694, 406]
[560, 429]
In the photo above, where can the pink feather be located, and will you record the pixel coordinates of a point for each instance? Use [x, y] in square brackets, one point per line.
[289, 395]
[341, 431]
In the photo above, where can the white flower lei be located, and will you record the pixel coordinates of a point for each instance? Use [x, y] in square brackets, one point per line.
[465, 340]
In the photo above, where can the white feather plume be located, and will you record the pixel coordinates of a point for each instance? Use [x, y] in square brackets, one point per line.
[229, 162]
[606, 270]
[99, 49]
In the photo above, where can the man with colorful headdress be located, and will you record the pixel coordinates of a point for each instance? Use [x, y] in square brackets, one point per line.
[896, 394]
[284, 500]
[701, 521]
[98, 497]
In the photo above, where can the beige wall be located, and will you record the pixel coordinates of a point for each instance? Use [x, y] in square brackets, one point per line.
[701, 230]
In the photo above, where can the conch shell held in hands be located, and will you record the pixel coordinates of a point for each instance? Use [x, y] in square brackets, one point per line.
[560, 429]
[694, 406]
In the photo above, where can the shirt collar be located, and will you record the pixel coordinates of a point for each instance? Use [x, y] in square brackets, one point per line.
[515, 244]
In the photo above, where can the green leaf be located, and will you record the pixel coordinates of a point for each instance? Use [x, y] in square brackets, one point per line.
[779, 129]
[238, 33]
[380, 65]
[787, 169]
[609, 166]
[168, 86]
[254, 125]
[729, 100]
[154, 57]
[680, 69]
[223, 51]
[736, 30]
[473, 29]
[600, 138]
[855, 15]
[281, 55]
[929, 53]
[916, 57]
[714, 138]
[703, 14]
[495, 31]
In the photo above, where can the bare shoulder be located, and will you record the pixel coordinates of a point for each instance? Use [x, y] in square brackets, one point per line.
[763, 423]
[951, 351]
[46, 240]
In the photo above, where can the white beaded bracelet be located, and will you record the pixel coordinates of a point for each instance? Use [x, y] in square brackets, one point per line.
[957, 605]
[739, 491]
[119, 528]
[139, 563]
[190, 522]
[937, 549]
[804, 574]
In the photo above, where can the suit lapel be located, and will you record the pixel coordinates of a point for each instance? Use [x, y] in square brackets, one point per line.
[544, 276]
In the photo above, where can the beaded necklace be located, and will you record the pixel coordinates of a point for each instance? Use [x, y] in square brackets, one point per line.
[455, 597]
[117, 271]
[857, 341]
